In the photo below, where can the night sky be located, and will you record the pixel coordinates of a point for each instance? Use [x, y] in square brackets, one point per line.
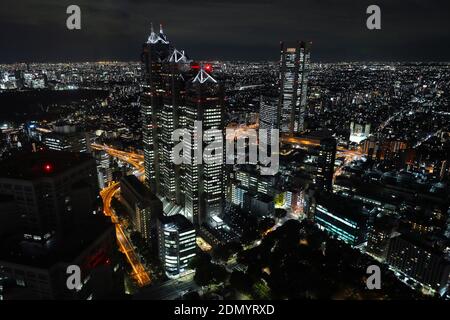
[413, 30]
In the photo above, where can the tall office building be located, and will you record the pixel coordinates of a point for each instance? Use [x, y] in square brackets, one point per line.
[52, 190]
[204, 185]
[269, 118]
[419, 260]
[155, 52]
[379, 236]
[144, 207]
[319, 159]
[177, 69]
[104, 170]
[9, 220]
[55, 196]
[294, 69]
[177, 244]
[179, 94]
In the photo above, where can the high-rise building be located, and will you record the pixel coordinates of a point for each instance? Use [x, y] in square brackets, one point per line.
[294, 69]
[237, 194]
[179, 94]
[250, 179]
[318, 161]
[177, 244]
[269, 117]
[143, 205]
[55, 195]
[155, 52]
[52, 190]
[30, 271]
[176, 70]
[9, 219]
[259, 204]
[104, 169]
[379, 236]
[419, 260]
[203, 182]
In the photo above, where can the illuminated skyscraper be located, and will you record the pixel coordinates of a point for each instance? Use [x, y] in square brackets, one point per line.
[177, 244]
[179, 94]
[203, 182]
[294, 69]
[177, 70]
[268, 114]
[155, 52]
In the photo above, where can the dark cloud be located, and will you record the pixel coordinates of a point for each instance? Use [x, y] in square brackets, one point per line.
[225, 29]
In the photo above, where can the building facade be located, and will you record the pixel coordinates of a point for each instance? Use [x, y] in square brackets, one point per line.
[143, 205]
[294, 70]
[177, 244]
[154, 54]
[204, 182]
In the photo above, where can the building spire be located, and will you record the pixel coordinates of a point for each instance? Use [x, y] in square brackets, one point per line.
[157, 38]
[204, 76]
[178, 56]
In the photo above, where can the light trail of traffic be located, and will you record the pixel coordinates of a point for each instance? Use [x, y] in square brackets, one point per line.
[134, 159]
[127, 248]
[139, 272]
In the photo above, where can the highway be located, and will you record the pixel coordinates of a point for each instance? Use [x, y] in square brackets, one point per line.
[134, 159]
[139, 272]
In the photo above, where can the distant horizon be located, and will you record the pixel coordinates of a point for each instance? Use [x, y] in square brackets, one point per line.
[234, 60]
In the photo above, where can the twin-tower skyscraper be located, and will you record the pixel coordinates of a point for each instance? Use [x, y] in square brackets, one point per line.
[177, 93]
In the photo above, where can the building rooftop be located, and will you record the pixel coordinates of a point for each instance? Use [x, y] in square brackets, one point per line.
[16, 250]
[343, 206]
[141, 189]
[424, 243]
[35, 165]
[179, 220]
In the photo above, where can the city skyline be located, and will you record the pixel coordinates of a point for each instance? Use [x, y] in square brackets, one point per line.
[237, 30]
[177, 177]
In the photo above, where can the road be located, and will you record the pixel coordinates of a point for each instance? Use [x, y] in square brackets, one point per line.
[107, 195]
[140, 274]
[427, 137]
[134, 159]
[169, 290]
[349, 156]
[139, 271]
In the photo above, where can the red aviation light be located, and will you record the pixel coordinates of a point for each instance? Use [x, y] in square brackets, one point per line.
[208, 68]
[48, 167]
